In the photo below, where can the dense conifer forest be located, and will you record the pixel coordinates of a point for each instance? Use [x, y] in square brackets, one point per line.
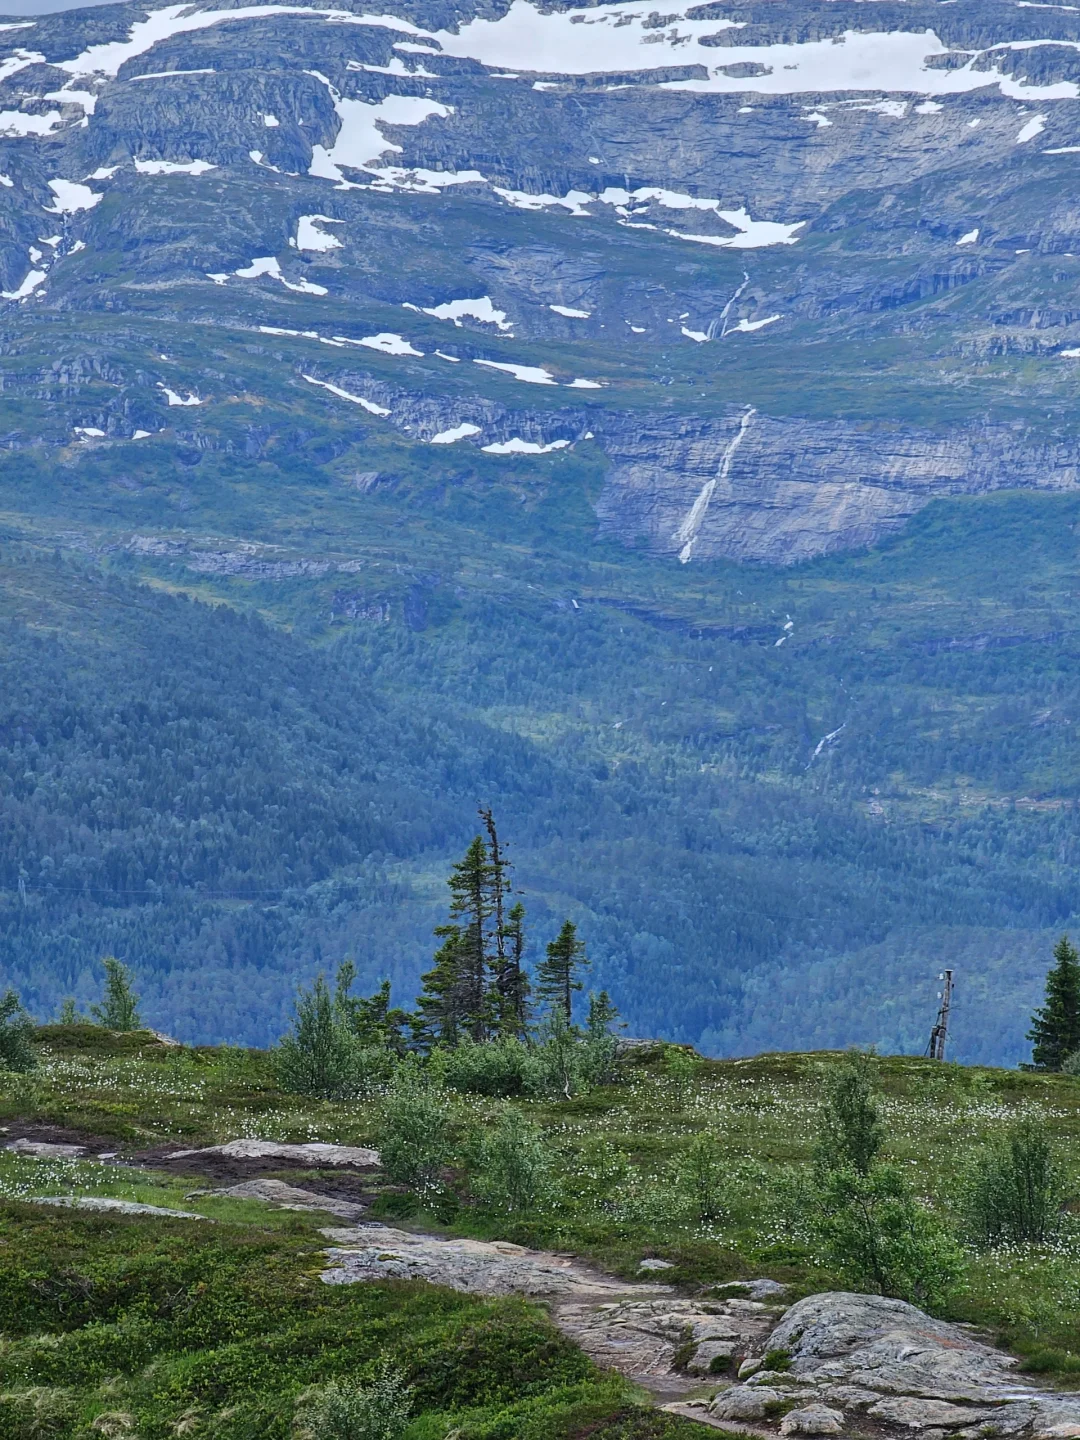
[232, 785]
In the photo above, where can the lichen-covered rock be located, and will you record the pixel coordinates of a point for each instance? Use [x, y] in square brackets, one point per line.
[314, 1153]
[812, 1420]
[44, 1150]
[914, 1413]
[640, 1329]
[742, 1402]
[291, 1197]
[116, 1207]
[711, 1356]
[911, 1373]
[892, 1347]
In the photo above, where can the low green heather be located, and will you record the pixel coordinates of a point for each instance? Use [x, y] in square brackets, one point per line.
[623, 1181]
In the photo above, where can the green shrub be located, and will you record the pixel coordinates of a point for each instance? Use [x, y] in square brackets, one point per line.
[120, 1008]
[344, 1411]
[703, 1177]
[414, 1136]
[850, 1132]
[876, 1236]
[681, 1068]
[502, 1067]
[777, 1360]
[16, 1035]
[512, 1165]
[600, 1047]
[561, 1057]
[505, 1355]
[322, 1054]
[1015, 1190]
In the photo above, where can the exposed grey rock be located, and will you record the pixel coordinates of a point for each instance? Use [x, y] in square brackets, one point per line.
[118, 1207]
[656, 1265]
[708, 1352]
[917, 1414]
[635, 1329]
[890, 1346]
[766, 1289]
[792, 488]
[812, 1420]
[41, 1150]
[756, 1289]
[290, 1197]
[912, 1372]
[750, 1366]
[313, 1154]
[849, 1396]
[742, 1403]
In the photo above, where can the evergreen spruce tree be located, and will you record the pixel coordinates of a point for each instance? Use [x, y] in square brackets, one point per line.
[511, 982]
[471, 907]
[558, 974]
[120, 1010]
[1055, 1029]
[440, 1010]
[371, 1019]
[498, 865]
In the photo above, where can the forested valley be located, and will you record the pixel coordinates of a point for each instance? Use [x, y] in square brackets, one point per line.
[233, 786]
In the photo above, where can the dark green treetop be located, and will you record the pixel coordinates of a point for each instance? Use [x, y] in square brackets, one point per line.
[558, 974]
[1055, 1028]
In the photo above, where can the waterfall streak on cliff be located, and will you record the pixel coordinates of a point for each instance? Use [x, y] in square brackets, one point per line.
[688, 530]
[727, 309]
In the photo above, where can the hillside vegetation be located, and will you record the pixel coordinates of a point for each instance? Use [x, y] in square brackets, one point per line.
[232, 783]
[187, 1328]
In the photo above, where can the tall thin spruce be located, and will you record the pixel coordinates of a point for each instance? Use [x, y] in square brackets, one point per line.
[512, 982]
[559, 973]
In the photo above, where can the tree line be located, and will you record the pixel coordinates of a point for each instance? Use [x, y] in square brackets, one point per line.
[482, 1021]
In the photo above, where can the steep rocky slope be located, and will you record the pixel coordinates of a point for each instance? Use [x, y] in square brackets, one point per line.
[804, 265]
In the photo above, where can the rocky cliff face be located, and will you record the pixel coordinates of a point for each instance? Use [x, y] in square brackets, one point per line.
[805, 266]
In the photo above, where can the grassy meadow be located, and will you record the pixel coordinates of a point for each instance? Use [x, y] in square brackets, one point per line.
[130, 1325]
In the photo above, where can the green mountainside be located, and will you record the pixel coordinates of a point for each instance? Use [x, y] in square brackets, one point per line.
[232, 777]
[398, 413]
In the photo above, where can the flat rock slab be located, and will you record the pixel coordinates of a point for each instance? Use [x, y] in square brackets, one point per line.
[889, 1346]
[43, 1150]
[116, 1207]
[290, 1197]
[478, 1267]
[635, 1329]
[697, 1410]
[908, 1373]
[312, 1155]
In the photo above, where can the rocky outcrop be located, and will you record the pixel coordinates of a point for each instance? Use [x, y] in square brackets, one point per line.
[289, 1197]
[780, 269]
[864, 1360]
[662, 1340]
[115, 1207]
[783, 490]
[315, 1153]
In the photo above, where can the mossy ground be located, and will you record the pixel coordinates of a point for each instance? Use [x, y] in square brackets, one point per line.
[215, 1329]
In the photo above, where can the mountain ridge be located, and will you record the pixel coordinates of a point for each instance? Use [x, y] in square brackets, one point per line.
[176, 175]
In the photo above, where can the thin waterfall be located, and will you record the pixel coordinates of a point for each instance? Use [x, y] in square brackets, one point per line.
[688, 530]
